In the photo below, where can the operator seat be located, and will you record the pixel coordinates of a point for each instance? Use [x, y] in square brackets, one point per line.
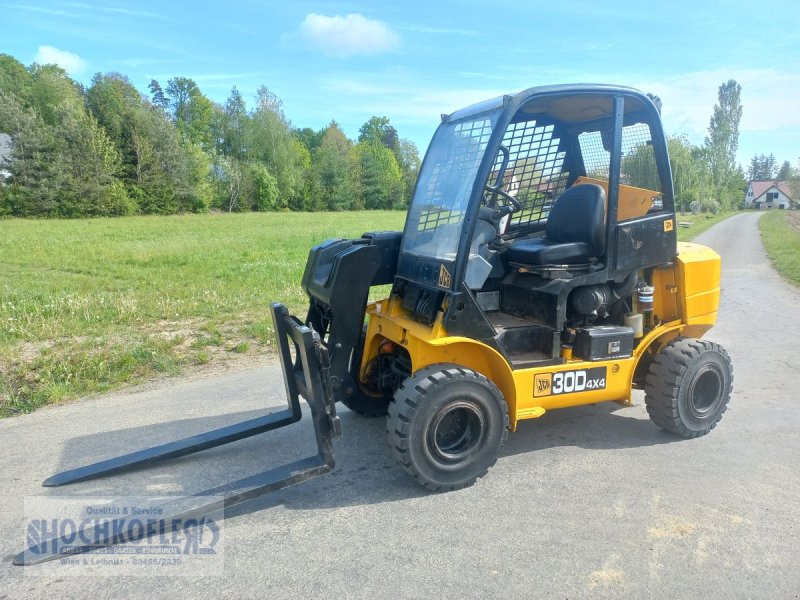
[575, 232]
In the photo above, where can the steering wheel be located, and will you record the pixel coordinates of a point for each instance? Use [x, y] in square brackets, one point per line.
[496, 189]
[513, 204]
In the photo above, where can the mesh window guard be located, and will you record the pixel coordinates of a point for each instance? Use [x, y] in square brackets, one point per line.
[535, 174]
[638, 160]
[446, 194]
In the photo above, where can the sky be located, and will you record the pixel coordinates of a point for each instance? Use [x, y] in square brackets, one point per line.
[413, 60]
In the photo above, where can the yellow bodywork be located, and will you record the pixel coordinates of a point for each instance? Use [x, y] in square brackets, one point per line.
[685, 302]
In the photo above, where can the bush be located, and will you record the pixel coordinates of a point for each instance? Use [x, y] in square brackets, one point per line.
[265, 189]
[711, 206]
[118, 203]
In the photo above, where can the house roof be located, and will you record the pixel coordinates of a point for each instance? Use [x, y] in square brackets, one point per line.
[761, 186]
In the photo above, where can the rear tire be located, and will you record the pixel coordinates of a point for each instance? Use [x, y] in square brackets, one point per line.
[688, 386]
[446, 426]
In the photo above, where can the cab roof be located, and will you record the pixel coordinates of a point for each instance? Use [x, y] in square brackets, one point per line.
[586, 102]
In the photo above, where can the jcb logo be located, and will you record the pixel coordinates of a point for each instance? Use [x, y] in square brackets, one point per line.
[542, 384]
[568, 382]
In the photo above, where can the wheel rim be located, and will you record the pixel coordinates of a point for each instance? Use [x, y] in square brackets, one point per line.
[456, 432]
[705, 392]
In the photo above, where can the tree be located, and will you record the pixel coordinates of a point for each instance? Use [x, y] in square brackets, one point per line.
[113, 100]
[89, 163]
[409, 161]
[306, 197]
[49, 88]
[762, 167]
[157, 96]
[308, 137]
[381, 179]
[192, 112]
[334, 170]
[160, 169]
[270, 142]
[65, 168]
[15, 79]
[723, 141]
[29, 190]
[230, 178]
[785, 172]
[379, 129]
[235, 127]
[265, 194]
[266, 100]
[690, 175]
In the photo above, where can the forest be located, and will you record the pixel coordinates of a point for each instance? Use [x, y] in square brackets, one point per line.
[109, 149]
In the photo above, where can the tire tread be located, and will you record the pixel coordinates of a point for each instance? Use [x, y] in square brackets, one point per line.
[407, 399]
[662, 384]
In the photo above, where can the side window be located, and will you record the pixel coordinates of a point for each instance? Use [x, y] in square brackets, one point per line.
[536, 173]
[640, 186]
[596, 159]
[639, 167]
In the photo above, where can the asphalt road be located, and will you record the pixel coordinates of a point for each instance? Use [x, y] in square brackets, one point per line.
[591, 501]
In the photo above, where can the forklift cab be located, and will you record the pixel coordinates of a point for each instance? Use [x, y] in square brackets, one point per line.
[523, 199]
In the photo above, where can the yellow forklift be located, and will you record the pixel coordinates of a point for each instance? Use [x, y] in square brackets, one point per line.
[538, 269]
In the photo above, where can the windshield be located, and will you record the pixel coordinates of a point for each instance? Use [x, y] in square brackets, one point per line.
[445, 182]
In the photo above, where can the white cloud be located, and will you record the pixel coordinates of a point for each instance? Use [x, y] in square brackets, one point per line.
[345, 36]
[69, 61]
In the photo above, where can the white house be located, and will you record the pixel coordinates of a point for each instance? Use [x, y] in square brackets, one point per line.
[768, 193]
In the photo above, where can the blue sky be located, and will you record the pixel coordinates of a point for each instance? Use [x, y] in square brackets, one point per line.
[413, 60]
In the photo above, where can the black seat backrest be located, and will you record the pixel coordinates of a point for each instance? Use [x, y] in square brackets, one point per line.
[579, 215]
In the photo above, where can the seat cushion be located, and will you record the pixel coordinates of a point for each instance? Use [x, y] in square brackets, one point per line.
[541, 251]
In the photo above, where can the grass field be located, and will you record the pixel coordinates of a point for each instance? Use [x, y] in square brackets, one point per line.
[780, 232]
[88, 305]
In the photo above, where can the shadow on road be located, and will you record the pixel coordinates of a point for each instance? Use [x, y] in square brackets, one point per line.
[365, 472]
[602, 426]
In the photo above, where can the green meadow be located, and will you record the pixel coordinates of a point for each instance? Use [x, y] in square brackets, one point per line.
[86, 305]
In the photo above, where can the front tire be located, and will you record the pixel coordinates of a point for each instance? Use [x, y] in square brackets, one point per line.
[688, 386]
[366, 405]
[446, 426]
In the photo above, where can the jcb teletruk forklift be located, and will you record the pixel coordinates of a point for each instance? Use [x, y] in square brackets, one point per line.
[538, 269]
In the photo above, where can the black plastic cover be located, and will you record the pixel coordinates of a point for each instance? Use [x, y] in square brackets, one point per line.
[389, 244]
[646, 242]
